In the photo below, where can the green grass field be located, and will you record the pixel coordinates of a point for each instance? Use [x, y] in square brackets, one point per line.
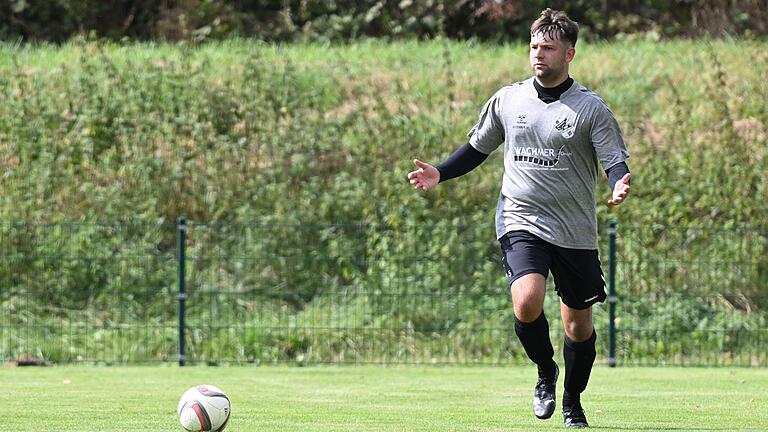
[363, 398]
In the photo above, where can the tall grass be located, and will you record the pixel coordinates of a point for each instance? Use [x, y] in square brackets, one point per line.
[243, 131]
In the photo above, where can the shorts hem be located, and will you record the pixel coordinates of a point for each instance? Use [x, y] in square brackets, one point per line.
[583, 306]
[512, 279]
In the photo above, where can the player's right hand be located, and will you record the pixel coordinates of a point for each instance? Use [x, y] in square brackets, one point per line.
[424, 178]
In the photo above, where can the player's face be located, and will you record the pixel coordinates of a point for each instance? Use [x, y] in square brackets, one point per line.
[550, 59]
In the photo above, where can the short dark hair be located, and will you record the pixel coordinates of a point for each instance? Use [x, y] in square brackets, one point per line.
[556, 24]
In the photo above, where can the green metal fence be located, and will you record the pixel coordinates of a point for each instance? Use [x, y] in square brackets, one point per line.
[202, 293]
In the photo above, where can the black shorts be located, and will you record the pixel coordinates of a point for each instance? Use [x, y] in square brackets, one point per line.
[578, 277]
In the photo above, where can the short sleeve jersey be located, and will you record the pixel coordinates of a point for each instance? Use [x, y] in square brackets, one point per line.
[552, 153]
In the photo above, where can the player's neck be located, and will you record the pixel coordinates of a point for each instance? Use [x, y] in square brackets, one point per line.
[564, 84]
[552, 94]
[552, 83]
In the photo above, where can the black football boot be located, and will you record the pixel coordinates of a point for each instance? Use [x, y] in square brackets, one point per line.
[573, 417]
[544, 395]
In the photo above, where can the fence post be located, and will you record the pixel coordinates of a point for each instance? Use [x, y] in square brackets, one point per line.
[181, 230]
[612, 299]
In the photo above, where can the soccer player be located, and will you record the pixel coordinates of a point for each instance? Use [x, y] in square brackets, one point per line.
[556, 133]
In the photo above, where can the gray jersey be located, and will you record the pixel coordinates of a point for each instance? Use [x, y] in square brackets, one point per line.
[551, 155]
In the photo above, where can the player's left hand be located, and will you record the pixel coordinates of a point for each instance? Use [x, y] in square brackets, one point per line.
[620, 190]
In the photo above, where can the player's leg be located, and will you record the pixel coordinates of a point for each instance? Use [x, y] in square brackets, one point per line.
[579, 354]
[526, 262]
[580, 284]
[531, 324]
[532, 329]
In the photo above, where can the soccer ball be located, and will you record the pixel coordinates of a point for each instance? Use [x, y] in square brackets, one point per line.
[204, 408]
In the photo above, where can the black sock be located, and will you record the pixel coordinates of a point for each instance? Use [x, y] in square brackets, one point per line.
[534, 336]
[579, 358]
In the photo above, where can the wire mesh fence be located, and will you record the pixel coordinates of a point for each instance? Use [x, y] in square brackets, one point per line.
[346, 293]
[693, 296]
[86, 293]
[358, 294]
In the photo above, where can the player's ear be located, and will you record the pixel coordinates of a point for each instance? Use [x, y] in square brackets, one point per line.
[570, 53]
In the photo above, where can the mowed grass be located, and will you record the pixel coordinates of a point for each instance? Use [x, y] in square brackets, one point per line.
[371, 398]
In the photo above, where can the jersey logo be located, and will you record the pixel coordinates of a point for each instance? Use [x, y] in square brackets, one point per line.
[542, 157]
[565, 127]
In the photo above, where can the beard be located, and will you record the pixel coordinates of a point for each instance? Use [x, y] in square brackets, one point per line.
[547, 73]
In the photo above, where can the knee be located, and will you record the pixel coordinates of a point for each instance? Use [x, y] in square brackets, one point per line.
[527, 311]
[578, 331]
[528, 294]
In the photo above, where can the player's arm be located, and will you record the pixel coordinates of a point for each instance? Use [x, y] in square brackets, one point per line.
[484, 137]
[618, 180]
[462, 161]
[612, 153]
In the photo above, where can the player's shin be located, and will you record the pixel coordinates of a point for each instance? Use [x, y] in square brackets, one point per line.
[579, 358]
[534, 336]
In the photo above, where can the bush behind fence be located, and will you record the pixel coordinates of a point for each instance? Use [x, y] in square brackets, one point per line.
[340, 20]
[359, 294]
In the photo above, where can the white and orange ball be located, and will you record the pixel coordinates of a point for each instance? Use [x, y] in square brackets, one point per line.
[204, 408]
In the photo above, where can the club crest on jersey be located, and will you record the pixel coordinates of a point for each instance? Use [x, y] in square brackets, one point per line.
[566, 127]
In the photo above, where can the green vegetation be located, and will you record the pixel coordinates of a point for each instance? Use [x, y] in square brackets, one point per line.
[380, 399]
[342, 20]
[290, 162]
[245, 132]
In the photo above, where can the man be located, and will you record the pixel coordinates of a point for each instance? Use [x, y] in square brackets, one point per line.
[555, 133]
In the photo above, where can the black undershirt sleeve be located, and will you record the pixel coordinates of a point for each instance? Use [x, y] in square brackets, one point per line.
[467, 158]
[616, 172]
[462, 161]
